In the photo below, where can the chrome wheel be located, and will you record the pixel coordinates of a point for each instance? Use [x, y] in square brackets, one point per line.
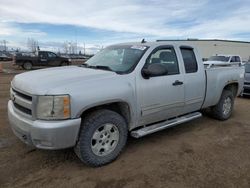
[105, 139]
[227, 105]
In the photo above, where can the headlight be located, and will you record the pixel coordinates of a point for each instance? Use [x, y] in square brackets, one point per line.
[53, 107]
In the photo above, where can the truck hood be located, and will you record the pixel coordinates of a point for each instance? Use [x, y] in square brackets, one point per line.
[41, 82]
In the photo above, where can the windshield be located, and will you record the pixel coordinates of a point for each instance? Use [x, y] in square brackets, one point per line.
[219, 58]
[117, 58]
[247, 68]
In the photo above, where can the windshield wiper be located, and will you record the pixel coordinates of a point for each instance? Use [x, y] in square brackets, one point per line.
[101, 67]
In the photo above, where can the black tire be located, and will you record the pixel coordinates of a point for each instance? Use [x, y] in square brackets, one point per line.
[90, 125]
[27, 65]
[64, 63]
[218, 111]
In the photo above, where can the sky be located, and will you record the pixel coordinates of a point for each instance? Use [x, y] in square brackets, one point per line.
[97, 23]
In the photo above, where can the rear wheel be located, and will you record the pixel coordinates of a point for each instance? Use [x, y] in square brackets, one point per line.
[27, 65]
[64, 63]
[223, 110]
[102, 137]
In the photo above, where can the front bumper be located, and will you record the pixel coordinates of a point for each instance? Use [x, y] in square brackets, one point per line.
[44, 134]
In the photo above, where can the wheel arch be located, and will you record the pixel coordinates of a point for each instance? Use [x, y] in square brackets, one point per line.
[232, 86]
[27, 61]
[64, 61]
[121, 107]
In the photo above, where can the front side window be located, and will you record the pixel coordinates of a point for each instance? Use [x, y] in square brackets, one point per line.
[189, 60]
[118, 58]
[233, 59]
[51, 55]
[167, 57]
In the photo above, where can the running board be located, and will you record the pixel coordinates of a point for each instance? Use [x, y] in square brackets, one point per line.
[163, 125]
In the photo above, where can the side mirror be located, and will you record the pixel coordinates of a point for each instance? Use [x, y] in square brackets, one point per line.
[155, 69]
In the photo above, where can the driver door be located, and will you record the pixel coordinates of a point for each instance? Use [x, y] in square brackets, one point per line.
[162, 97]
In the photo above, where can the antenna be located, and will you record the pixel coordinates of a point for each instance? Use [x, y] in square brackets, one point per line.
[143, 41]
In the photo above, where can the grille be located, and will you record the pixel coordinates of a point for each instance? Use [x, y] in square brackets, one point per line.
[246, 83]
[23, 109]
[22, 95]
[22, 102]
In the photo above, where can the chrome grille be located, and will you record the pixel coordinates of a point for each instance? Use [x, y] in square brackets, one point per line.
[22, 102]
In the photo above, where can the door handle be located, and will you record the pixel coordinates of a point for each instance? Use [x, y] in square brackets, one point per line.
[177, 82]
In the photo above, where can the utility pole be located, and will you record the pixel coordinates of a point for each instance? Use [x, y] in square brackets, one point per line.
[84, 50]
[76, 41]
[4, 45]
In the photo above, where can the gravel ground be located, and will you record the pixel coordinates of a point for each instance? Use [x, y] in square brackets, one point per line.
[201, 153]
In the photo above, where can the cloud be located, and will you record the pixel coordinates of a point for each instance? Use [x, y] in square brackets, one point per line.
[131, 19]
[8, 29]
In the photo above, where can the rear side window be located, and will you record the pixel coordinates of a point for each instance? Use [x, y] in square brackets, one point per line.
[237, 58]
[189, 60]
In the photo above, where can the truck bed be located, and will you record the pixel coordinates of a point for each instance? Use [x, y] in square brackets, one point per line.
[219, 76]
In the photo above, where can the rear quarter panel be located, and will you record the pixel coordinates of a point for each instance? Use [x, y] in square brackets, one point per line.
[218, 78]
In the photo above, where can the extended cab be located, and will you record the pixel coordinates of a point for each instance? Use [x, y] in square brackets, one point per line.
[40, 58]
[131, 88]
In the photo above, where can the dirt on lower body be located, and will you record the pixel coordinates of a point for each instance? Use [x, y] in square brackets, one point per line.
[201, 153]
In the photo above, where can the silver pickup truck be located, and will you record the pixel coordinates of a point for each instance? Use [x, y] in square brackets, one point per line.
[129, 88]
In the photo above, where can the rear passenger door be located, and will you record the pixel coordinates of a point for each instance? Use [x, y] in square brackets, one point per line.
[194, 80]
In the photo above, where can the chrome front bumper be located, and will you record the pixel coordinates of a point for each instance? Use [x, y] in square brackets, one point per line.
[44, 134]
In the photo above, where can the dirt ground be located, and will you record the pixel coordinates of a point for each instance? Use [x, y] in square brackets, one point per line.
[202, 153]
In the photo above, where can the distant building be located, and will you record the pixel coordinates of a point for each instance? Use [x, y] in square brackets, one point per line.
[208, 48]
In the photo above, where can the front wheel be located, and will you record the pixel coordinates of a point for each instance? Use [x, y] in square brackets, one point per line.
[223, 110]
[102, 137]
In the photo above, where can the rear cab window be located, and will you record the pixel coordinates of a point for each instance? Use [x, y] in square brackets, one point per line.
[189, 59]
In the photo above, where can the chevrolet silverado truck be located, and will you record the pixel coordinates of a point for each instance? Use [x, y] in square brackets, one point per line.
[40, 58]
[129, 88]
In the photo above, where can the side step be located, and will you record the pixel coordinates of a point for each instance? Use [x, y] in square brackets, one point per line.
[163, 125]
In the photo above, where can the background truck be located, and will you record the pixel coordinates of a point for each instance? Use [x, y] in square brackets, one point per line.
[223, 60]
[131, 88]
[246, 87]
[40, 58]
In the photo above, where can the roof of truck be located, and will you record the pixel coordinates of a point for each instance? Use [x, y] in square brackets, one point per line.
[156, 43]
